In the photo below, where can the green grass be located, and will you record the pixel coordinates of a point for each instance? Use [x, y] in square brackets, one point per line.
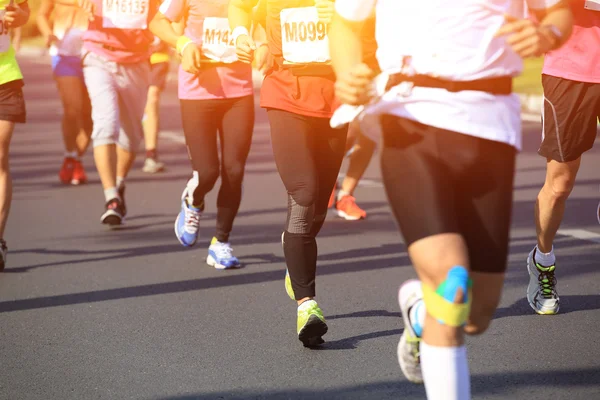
[530, 82]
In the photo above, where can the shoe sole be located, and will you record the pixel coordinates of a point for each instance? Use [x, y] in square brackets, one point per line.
[534, 282]
[402, 341]
[311, 335]
[177, 235]
[153, 170]
[213, 263]
[112, 220]
[347, 217]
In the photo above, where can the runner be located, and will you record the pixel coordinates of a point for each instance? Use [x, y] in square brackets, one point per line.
[13, 14]
[159, 70]
[65, 40]
[359, 148]
[116, 53]
[298, 95]
[570, 122]
[217, 103]
[451, 128]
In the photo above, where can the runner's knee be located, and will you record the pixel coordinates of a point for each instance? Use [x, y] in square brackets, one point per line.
[560, 187]
[300, 217]
[234, 173]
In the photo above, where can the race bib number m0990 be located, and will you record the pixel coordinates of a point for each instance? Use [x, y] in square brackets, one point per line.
[4, 34]
[217, 41]
[303, 38]
[125, 14]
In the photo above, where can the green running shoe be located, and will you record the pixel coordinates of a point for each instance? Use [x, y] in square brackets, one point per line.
[311, 324]
[288, 281]
[541, 291]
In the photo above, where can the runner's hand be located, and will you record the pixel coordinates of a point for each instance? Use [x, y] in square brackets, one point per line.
[191, 59]
[325, 10]
[525, 37]
[15, 16]
[244, 48]
[263, 59]
[88, 7]
[50, 39]
[354, 87]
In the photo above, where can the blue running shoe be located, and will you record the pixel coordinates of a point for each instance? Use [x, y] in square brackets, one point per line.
[187, 223]
[220, 256]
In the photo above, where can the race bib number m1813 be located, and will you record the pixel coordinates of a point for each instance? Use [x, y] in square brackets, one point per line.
[217, 41]
[4, 34]
[125, 14]
[303, 38]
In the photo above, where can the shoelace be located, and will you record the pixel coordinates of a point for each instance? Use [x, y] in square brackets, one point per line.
[547, 282]
[224, 251]
[192, 220]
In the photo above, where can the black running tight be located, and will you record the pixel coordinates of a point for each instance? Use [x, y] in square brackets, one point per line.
[233, 120]
[308, 154]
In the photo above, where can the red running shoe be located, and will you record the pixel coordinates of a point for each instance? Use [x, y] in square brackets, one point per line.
[66, 171]
[79, 177]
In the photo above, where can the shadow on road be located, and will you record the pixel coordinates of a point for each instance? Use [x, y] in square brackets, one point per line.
[506, 384]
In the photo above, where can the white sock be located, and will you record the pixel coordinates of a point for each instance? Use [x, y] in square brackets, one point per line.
[416, 317]
[71, 154]
[341, 194]
[111, 193]
[120, 181]
[445, 372]
[191, 187]
[546, 259]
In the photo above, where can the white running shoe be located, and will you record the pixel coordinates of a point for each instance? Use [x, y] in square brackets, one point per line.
[541, 291]
[409, 354]
[152, 166]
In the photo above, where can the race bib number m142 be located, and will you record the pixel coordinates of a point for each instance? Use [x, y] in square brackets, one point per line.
[125, 14]
[303, 38]
[217, 41]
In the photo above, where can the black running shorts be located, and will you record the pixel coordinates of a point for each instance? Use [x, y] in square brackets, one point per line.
[570, 118]
[439, 181]
[12, 102]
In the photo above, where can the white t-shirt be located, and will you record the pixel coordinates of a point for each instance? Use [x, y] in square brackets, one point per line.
[452, 40]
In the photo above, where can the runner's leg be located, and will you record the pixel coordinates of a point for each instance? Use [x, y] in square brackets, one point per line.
[6, 131]
[235, 135]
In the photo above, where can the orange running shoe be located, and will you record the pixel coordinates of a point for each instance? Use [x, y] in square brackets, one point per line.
[66, 171]
[348, 209]
[79, 177]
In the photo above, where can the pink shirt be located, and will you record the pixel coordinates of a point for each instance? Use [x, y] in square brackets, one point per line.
[120, 33]
[579, 58]
[213, 82]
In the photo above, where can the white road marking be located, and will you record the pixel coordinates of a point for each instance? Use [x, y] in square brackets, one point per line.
[581, 234]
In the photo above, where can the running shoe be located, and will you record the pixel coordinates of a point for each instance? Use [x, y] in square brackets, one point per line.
[153, 166]
[122, 196]
[348, 209]
[220, 255]
[79, 177]
[187, 223]
[66, 171]
[311, 324]
[409, 353]
[541, 291]
[114, 213]
[3, 254]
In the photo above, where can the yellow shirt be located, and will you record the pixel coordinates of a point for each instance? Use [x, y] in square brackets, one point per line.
[9, 69]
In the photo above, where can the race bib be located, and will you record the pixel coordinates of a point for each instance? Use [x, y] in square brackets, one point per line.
[593, 5]
[303, 38]
[217, 41]
[4, 34]
[125, 14]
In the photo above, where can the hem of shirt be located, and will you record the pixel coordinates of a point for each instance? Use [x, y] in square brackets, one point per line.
[571, 77]
[229, 96]
[296, 110]
[135, 58]
[495, 136]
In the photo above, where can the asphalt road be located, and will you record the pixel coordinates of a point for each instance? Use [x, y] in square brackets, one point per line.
[90, 313]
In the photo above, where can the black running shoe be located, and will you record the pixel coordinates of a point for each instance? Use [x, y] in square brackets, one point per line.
[3, 251]
[122, 195]
[114, 213]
